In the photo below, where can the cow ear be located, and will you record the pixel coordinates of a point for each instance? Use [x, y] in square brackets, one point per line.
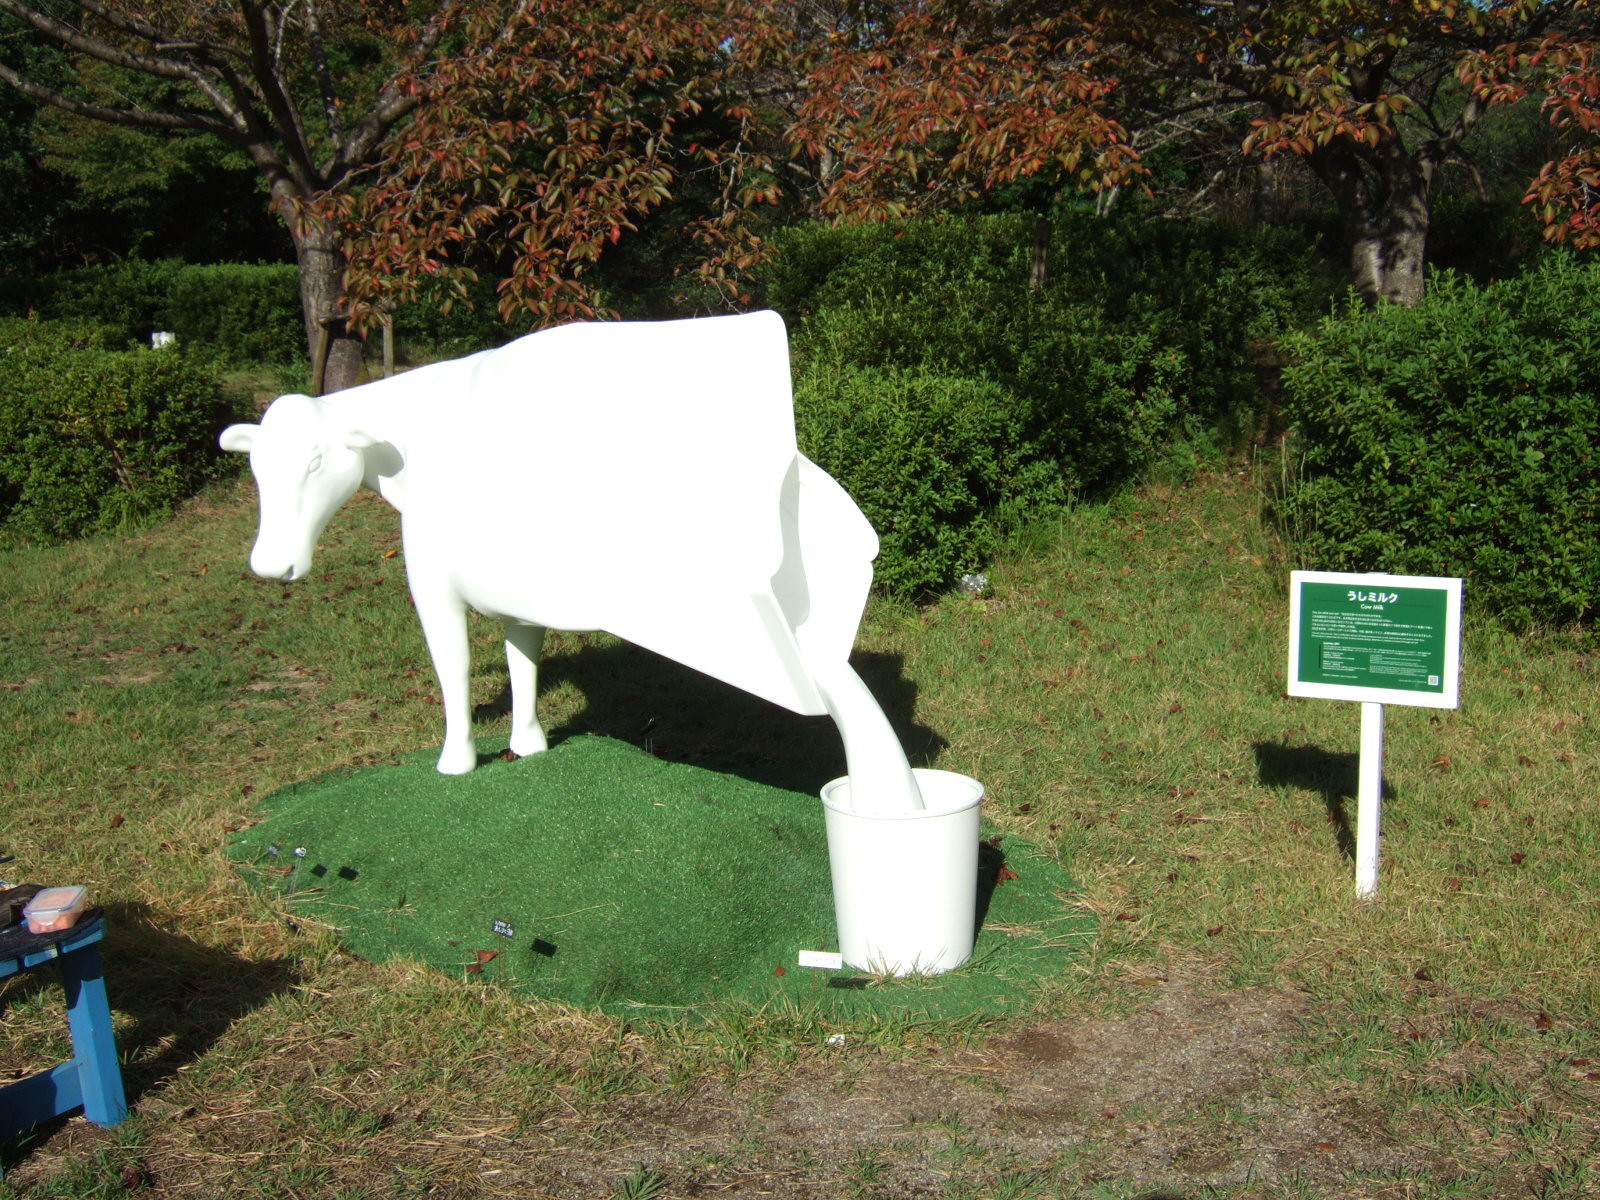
[238, 438]
[357, 439]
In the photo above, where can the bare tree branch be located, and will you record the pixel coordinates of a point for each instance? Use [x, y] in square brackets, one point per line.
[72, 39]
[319, 56]
[285, 116]
[178, 121]
[397, 100]
[232, 124]
[257, 76]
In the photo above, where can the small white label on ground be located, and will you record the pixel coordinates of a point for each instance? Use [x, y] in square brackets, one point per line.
[821, 959]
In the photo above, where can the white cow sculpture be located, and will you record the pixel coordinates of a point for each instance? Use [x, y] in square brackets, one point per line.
[640, 478]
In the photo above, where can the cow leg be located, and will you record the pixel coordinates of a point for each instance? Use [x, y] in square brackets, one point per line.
[444, 626]
[523, 645]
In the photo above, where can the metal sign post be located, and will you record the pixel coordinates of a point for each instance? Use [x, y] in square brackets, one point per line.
[1369, 799]
[1377, 639]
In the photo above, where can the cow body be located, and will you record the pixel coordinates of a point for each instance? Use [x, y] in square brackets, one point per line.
[640, 478]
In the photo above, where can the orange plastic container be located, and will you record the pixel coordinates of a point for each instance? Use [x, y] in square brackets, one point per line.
[55, 909]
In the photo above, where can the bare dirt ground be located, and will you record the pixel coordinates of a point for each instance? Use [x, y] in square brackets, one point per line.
[1195, 1091]
[1192, 1090]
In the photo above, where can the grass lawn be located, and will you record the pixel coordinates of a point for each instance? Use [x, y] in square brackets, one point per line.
[1238, 1025]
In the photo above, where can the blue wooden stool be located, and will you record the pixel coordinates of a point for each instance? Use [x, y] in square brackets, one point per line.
[92, 1078]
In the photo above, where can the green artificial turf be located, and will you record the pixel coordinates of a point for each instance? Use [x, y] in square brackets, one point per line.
[601, 876]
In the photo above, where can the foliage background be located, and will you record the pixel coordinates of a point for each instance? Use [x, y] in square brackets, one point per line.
[1456, 438]
[96, 438]
[956, 400]
[960, 397]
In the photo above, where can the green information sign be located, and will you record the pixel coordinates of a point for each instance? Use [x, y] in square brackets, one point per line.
[1393, 639]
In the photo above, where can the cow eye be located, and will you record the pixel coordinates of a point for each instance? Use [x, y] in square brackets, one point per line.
[314, 465]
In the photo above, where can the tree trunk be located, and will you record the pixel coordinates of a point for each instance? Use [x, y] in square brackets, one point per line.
[1403, 220]
[1265, 198]
[1039, 274]
[321, 291]
[1385, 216]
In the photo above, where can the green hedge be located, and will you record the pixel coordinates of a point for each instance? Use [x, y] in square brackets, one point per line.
[1457, 438]
[431, 329]
[1102, 400]
[237, 313]
[242, 314]
[1146, 345]
[127, 299]
[1183, 308]
[934, 461]
[95, 438]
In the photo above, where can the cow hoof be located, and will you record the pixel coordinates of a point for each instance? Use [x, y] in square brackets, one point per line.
[457, 762]
[529, 742]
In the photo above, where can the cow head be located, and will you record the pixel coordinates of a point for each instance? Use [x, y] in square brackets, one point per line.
[306, 465]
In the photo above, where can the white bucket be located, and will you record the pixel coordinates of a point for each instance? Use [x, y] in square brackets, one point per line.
[905, 885]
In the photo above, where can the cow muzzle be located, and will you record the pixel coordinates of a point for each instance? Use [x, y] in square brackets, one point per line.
[275, 566]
